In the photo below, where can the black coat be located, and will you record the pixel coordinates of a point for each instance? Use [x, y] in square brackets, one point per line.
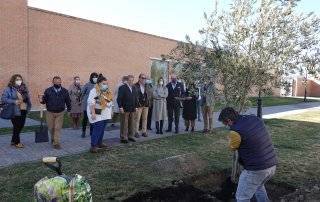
[190, 107]
[178, 91]
[56, 101]
[126, 99]
[143, 100]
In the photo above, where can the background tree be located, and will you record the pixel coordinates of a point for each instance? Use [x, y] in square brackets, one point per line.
[249, 48]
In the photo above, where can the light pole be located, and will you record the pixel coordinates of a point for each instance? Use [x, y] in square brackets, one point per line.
[259, 109]
[305, 80]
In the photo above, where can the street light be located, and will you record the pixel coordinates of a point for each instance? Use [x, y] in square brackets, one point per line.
[305, 81]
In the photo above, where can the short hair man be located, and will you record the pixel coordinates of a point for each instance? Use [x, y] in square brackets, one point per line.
[56, 98]
[143, 106]
[250, 137]
[127, 102]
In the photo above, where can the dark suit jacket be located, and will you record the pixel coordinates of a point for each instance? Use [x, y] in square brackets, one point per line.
[178, 91]
[126, 99]
[143, 100]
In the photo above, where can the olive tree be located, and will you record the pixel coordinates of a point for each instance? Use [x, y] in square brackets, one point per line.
[249, 48]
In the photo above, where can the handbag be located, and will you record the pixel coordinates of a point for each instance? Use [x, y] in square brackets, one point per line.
[8, 111]
[97, 111]
[41, 134]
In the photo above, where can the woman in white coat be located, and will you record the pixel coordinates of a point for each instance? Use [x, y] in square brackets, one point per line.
[99, 110]
[159, 112]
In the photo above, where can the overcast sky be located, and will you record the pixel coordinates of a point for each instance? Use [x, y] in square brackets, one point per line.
[168, 18]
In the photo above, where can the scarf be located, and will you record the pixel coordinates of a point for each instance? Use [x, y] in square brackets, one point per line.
[22, 89]
[103, 97]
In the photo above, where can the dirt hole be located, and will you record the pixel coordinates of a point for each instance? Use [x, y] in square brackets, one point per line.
[202, 188]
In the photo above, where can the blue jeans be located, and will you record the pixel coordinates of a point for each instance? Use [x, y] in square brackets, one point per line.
[97, 132]
[251, 183]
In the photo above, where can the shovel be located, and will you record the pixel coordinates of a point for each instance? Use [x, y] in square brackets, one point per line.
[229, 187]
[41, 134]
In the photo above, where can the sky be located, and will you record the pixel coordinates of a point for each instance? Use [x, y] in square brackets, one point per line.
[167, 18]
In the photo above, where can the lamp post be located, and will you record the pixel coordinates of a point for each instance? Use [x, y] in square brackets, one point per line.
[259, 109]
[305, 80]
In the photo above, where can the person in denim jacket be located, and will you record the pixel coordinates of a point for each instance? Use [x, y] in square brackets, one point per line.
[17, 93]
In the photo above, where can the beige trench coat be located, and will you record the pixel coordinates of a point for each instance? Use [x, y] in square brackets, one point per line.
[75, 97]
[159, 112]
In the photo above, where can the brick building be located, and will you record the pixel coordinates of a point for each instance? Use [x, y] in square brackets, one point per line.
[40, 44]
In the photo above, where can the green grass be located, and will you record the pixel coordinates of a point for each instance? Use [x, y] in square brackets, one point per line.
[124, 170]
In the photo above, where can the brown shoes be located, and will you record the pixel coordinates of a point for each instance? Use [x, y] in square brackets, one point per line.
[131, 139]
[94, 149]
[19, 146]
[57, 146]
[137, 135]
[103, 146]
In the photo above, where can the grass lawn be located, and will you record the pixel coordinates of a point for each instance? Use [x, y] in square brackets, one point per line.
[124, 170]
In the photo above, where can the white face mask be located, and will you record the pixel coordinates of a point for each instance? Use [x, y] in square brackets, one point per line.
[161, 82]
[18, 82]
[95, 80]
[104, 87]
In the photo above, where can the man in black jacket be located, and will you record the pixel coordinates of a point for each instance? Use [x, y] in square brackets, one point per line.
[56, 98]
[128, 103]
[176, 91]
[143, 106]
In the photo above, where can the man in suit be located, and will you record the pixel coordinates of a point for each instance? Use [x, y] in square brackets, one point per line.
[175, 92]
[143, 106]
[128, 103]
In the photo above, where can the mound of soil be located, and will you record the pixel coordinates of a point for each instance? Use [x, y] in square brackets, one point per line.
[203, 188]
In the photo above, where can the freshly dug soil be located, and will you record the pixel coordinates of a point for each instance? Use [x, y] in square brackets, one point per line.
[202, 188]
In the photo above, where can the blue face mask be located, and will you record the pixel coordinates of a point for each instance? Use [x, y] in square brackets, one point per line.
[104, 87]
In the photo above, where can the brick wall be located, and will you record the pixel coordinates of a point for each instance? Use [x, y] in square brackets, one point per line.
[68, 46]
[13, 39]
[313, 88]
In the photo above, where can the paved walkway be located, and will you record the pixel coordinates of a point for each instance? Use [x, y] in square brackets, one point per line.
[72, 143]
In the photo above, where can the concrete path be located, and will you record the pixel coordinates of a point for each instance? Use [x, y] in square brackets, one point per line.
[72, 143]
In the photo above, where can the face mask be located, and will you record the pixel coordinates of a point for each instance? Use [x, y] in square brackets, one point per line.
[148, 82]
[57, 86]
[77, 82]
[174, 80]
[104, 87]
[179, 80]
[18, 82]
[161, 82]
[94, 80]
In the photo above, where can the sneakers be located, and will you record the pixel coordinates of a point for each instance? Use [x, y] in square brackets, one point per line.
[131, 139]
[144, 135]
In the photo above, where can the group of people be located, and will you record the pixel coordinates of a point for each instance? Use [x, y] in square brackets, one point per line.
[137, 103]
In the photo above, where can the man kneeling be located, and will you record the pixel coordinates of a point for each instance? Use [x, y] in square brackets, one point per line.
[250, 137]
